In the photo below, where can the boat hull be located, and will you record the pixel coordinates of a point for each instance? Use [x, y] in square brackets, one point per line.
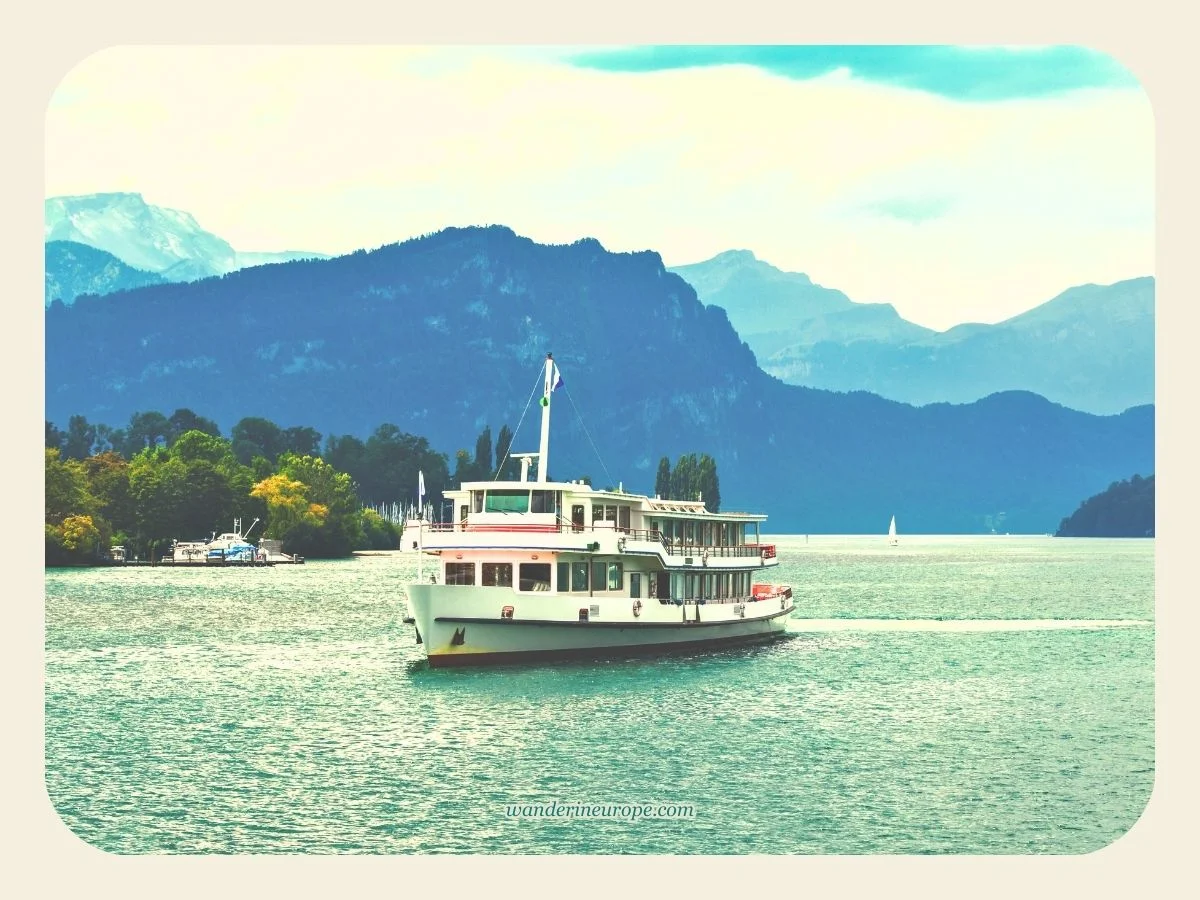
[463, 626]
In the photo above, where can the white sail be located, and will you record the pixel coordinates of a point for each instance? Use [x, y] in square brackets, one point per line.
[892, 533]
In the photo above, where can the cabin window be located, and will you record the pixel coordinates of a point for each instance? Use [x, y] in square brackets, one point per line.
[477, 500]
[497, 574]
[577, 519]
[690, 588]
[460, 573]
[542, 502]
[507, 502]
[616, 576]
[623, 518]
[708, 586]
[635, 584]
[579, 573]
[653, 587]
[676, 585]
[564, 577]
[689, 532]
[599, 575]
[535, 576]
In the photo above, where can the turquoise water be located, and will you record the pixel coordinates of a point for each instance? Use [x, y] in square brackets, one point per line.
[951, 695]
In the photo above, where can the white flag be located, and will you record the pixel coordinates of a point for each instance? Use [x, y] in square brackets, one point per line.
[420, 488]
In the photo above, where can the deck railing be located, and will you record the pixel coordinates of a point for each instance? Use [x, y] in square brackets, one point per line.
[670, 548]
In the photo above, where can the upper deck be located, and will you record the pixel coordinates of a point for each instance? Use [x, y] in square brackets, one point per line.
[574, 517]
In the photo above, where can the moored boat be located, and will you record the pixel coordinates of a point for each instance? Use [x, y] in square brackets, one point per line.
[537, 569]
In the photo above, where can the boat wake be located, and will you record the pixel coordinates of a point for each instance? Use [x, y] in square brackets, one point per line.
[806, 626]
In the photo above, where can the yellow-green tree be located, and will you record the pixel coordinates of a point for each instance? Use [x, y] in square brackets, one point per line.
[288, 505]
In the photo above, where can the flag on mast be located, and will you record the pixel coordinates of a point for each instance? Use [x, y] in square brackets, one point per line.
[553, 384]
[420, 489]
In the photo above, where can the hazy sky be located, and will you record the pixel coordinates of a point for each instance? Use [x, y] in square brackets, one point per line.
[958, 184]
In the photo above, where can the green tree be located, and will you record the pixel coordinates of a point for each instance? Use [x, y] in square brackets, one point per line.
[79, 439]
[506, 466]
[662, 480]
[184, 420]
[55, 438]
[146, 429]
[301, 440]
[482, 463]
[254, 436]
[378, 532]
[708, 485]
[340, 530]
[108, 481]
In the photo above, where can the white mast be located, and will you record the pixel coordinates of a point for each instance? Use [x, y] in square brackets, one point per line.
[544, 443]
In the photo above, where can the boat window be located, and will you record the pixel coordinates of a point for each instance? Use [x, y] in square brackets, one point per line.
[599, 575]
[616, 576]
[610, 514]
[542, 502]
[460, 573]
[635, 584]
[507, 501]
[676, 585]
[623, 518]
[597, 513]
[690, 588]
[652, 588]
[564, 577]
[577, 518]
[535, 577]
[477, 500]
[579, 576]
[689, 532]
[497, 574]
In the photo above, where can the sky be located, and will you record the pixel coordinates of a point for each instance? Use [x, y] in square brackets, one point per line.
[960, 184]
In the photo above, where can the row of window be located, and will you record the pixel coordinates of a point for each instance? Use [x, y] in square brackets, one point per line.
[693, 585]
[519, 500]
[600, 575]
[704, 534]
[582, 576]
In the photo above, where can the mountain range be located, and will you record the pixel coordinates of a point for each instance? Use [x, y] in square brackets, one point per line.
[1090, 348]
[444, 334]
[73, 269]
[165, 242]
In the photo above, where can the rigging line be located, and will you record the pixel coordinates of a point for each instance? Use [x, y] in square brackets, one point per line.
[579, 416]
[517, 430]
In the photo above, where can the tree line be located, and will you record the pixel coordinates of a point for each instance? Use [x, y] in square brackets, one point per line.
[693, 478]
[162, 478]
[1124, 509]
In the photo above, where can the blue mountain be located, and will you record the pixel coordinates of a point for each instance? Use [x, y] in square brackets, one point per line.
[1090, 348]
[73, 269]
[444, 334]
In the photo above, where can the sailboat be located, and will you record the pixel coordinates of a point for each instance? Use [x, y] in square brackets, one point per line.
[892, 539]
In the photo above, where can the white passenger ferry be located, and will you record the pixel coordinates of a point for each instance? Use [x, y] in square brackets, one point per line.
[534, 569]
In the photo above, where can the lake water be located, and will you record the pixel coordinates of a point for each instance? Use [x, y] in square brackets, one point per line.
[950, 695]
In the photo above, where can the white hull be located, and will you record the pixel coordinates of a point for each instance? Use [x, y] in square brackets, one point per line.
[463, 626]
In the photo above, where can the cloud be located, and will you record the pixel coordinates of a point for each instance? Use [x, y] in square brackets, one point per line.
[959, 73]
[911, 209]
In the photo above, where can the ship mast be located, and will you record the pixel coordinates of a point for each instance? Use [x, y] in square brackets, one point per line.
[544, 443]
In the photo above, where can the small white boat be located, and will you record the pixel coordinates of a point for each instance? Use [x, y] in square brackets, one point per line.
[893, 541]
[535, 569]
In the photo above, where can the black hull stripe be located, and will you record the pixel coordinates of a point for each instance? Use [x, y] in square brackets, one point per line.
[569, 623]
[457, 660]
